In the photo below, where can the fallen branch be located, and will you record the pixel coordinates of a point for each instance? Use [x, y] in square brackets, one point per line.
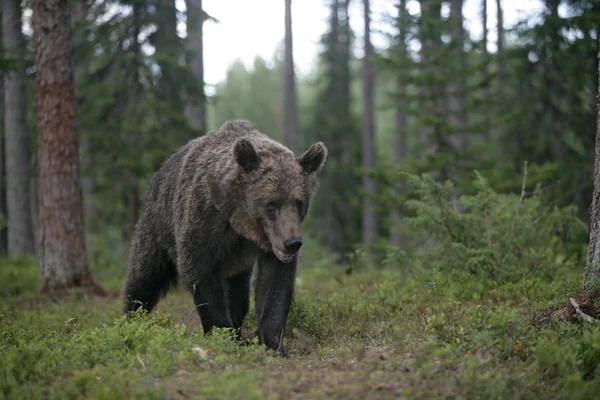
[580, 313]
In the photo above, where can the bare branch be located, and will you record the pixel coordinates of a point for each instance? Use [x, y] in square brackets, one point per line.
[140, 361]
[580, 313]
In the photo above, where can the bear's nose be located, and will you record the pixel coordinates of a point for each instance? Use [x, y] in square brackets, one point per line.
[292, 245]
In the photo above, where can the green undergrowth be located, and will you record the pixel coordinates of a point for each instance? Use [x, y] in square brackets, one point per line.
[386, 334]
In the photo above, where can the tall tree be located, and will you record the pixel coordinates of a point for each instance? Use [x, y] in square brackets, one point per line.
[290, 112]
[592, 272]
[196, 108]
[484, 49]
[134, 96]
[3, 230]
[400, 149]
[63, 258]
[86, 154]
[430, 38]
[457, 86]
[456, 90]
[370, 222]
[338, 210]
[500, 45]
[20, 228]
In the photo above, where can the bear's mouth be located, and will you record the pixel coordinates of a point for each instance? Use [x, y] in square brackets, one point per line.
[283, 257]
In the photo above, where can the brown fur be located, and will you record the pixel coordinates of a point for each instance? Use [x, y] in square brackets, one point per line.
[207, 220]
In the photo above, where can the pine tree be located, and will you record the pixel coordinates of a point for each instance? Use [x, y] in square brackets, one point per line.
[20, 226]
[400, 137]
[63, 262]
[196, 107]
[337, 209]
[593, 254]
[370, 218]
[290, 111]
[3, 230]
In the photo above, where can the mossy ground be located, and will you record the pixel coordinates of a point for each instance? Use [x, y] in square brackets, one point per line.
[372, 334]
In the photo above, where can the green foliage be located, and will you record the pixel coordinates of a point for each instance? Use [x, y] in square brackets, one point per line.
[336, 210]
[552, 83]
[497, 236]
[250, 94]
[448, 332]
[19, 277]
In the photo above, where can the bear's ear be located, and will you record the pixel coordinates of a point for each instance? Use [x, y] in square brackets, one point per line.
[245, 155]
[313, 159]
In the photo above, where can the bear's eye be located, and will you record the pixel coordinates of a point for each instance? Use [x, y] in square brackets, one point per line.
[270, 207]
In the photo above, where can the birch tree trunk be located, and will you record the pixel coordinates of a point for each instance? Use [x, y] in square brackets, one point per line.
[20, 227]
[63, 258]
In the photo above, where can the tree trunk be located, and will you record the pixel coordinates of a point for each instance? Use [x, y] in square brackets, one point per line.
[370, 223]
[456, 99]
[196, 109]
[87, 180]
[20, 228]
[3, 230]
[592, 272]
[290, 112]
[484, 13]
[500, 53]
[400, 137]
[430, 37]
[63, 259]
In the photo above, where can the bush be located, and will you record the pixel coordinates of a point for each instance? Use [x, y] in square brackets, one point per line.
[492, 236]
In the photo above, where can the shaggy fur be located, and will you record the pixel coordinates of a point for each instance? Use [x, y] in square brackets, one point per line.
[216, 206]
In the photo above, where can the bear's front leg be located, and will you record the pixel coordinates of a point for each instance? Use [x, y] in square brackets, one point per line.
[201, 274]
[274, 293]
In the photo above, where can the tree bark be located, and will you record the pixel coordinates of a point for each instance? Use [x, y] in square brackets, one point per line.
[290, 112]
[400, 136]
[500, 52]
[430, 36]
[196, 109]
[20, 227]
[370, 223]
[592, 272]
[456, 99]
[63, 262]
[484, 13]
[3, 230]
[86, 156]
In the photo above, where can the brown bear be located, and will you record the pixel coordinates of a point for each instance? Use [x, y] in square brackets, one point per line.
[216, 206]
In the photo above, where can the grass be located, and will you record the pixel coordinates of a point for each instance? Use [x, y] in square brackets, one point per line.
[373, 334]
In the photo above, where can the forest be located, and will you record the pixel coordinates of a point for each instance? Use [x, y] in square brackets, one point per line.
[451, 249]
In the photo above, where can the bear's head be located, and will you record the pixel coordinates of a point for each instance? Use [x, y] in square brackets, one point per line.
[275, 190]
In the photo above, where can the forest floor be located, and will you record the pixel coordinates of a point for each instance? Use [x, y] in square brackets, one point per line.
[371, 334]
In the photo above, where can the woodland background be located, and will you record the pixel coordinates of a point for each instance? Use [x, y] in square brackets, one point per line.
[451, 226]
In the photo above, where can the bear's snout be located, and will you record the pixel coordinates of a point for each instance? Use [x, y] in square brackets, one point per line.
[292, 245]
